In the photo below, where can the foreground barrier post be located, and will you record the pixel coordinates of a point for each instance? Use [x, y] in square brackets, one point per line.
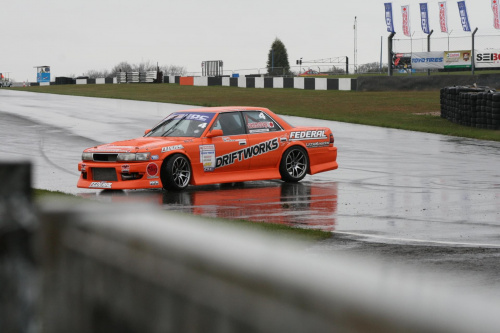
[18, 272]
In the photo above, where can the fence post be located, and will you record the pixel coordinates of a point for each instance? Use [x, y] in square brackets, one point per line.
[389, 52]
[473, 56]
[429, 48]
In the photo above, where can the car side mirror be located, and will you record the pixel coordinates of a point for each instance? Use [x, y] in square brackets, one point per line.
[214, 133]
[147, 131]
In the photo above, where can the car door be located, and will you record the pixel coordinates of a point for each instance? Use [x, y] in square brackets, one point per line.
[266, 139]
[225, 154]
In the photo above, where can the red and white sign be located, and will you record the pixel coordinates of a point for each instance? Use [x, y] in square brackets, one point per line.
[443, 20]
[405, 10]
[496, 13]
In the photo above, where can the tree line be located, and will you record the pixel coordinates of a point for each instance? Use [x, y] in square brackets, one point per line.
[145, 66]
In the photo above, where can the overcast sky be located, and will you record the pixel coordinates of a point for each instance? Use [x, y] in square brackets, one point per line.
[74, 36]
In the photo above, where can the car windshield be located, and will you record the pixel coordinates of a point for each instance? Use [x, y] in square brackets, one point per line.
[183, 124]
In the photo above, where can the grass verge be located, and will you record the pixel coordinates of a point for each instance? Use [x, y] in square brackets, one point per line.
[402, 110]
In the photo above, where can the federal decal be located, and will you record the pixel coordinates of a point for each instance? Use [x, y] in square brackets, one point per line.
[307, 135]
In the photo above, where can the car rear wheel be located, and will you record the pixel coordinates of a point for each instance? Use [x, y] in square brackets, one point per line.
[294, 164]
[176, 173]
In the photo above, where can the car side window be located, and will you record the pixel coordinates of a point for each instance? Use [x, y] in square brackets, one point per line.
[260, 122]
[230, 123]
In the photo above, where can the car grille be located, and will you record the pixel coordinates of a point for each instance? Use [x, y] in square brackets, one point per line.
[105, 157]
[108, 174]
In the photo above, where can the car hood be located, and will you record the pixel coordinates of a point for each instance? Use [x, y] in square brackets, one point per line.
[143, 143]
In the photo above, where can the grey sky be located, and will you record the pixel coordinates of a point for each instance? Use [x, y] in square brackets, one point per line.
[74, 36]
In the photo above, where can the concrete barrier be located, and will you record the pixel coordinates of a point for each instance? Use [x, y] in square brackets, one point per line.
[136, 268]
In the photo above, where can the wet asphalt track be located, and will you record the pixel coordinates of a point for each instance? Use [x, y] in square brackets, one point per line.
[392, 186]
[419, 199]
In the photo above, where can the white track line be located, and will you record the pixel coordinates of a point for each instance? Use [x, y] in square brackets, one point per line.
[417, 240]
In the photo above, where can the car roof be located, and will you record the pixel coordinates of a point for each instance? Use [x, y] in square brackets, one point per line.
[225, 109]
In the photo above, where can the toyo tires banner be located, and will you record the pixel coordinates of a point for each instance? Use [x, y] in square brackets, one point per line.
[427, 60]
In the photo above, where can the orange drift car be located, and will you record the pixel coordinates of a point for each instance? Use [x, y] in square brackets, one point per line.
[210, 146]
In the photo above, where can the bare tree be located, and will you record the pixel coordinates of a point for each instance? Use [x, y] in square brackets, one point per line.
[173, 70]
[372, 67]
[94, 74]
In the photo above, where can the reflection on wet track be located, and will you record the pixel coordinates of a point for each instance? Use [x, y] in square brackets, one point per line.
[304, 205]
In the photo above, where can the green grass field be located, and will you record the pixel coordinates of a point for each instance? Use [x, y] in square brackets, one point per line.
[413, 110]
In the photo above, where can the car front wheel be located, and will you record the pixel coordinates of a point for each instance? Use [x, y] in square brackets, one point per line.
[176, 173]
[294, 164]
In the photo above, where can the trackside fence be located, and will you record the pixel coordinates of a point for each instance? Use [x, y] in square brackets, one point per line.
[117, 268]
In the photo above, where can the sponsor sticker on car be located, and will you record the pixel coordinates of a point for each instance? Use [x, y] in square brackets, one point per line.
[100, 185]
[170, 148]
[307, 135]
[247, 153]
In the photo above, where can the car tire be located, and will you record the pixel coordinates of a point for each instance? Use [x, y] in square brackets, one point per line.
[294, 164]
[176, 173]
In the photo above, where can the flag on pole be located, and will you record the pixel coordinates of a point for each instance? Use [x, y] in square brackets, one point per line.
[464, 19]
[388, 16]
[405, 10]
[496, 13]
[443, 17]
[424, 17]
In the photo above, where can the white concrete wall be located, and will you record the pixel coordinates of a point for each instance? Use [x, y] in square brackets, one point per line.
[100, 80]
[278, 82]
[226, 81]
[81, 81]
[200, 81]
[242, 82]
[320, 84]
[344, 84]
[298, 82]
[259, 82]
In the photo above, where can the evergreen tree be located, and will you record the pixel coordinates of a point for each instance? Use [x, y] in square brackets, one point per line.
[277, 59]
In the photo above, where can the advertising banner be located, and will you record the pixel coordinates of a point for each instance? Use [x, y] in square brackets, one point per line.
[464, 18]
[487, 58]
[388, 17]
[457, 59]
[427, 60]
[405, 11]
[424, 18]
[496, 14]
[443, 17]
[401, 61]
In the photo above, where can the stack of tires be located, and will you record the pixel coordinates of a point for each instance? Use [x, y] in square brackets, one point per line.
[471, 106]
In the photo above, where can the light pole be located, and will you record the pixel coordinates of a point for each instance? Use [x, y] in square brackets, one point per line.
[449, 39]
[355, 44]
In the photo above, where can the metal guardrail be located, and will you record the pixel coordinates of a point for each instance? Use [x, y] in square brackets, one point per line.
[120, 268]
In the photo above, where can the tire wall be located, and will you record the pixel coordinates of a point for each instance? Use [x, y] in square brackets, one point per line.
[471, 106]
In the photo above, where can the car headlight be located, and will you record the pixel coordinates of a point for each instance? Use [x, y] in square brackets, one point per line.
[87, 156]
[133, 157]
[142, 156]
